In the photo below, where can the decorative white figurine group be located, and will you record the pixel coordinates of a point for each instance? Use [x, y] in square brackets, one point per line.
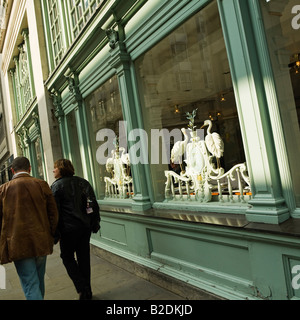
[201, 178]
[120, 184]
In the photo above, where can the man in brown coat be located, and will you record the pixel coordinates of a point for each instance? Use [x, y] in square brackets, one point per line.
[28, 220]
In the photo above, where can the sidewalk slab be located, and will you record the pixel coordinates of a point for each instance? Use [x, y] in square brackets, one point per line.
[109, 282]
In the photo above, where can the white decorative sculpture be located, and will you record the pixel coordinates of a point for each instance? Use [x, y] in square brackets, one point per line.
[213, 141]
[120, 184]
[179, 148]
[201, 180]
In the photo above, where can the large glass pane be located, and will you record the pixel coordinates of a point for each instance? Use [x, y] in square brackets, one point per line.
[282, 24]
[189, 70]
[104, 113]
[74, 143]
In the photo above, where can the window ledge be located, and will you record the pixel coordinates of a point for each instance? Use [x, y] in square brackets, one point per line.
[232, 220]
[192, 206]
[290, 227]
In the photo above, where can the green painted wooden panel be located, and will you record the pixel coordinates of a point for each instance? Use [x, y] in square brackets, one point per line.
[215, 255]
[113, 231]
[231, 262]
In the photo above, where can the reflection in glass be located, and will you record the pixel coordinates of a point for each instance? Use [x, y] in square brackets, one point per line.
[104, 111]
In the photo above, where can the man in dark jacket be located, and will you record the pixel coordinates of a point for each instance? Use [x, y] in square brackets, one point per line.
[28, 219]
[78, 217]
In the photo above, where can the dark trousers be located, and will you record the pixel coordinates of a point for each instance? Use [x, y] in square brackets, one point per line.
[79, 269]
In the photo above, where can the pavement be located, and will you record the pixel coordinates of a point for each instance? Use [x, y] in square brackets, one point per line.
[109, 282]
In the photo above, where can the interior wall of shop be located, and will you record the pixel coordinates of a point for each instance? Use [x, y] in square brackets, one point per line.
[228, 261]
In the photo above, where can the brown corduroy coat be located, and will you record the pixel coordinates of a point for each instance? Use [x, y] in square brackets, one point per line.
[28, 218]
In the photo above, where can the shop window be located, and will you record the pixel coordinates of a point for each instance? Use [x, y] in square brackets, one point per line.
[39, 159]
[30, 141]
[282, 23]
[107, 131]
[185, 82]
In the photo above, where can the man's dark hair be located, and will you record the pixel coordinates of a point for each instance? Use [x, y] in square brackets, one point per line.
[20, 164]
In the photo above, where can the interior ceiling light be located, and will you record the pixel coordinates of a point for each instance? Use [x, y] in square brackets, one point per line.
[296, 64]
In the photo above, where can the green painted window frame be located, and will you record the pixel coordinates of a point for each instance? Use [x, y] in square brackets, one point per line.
[79, 12]
[275, 104]
[63, 21]
[269, 204]
[30, 140]
[55, 30]
[22, 79]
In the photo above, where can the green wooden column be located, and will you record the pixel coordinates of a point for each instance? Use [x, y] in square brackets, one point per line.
[18, 87]
[121, 61]
[273, 93]
[60, 116]
[16, 104]
[36, 119]
[81, 124]
[268, 204]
